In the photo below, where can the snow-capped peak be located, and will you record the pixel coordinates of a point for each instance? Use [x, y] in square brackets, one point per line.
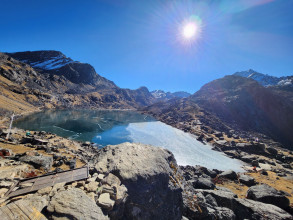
[263, 79]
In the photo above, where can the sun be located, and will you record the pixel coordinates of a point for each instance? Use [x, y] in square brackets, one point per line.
[189, 30]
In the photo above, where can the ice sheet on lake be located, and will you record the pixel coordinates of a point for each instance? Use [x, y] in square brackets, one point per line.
[186, 149]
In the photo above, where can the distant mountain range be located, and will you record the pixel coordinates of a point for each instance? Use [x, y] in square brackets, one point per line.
[266, 80]
[161, 95]
[66, 83]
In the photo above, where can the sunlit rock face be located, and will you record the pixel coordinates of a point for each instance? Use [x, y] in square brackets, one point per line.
[147, 173]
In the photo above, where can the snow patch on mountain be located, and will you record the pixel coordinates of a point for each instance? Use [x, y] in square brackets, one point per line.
[52, 63]
[160, 94]
[264, 79]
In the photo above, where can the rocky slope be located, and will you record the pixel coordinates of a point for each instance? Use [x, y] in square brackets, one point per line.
[50, 79]
[244, 104]
[233, 103]
[129, 181]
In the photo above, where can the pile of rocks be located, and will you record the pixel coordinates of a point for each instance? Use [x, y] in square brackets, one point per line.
[136, 181]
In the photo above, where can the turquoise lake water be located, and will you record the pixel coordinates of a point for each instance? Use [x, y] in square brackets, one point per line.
[110, 127]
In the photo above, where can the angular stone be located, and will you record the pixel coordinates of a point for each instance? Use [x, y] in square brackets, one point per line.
[267, 194]
[203, 183]
[121, 193]
[109, 189]
[105, 202]
[92, 186]
[111, 180]
[100, 177]
[247, 180]
[229, 174]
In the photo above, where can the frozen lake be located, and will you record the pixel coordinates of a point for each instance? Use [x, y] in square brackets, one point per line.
[105, 127]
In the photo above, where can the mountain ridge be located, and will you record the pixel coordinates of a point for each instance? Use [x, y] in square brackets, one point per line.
[265, 79]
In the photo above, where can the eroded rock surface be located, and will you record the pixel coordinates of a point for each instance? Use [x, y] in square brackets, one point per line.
[146, 172]
[74, 204]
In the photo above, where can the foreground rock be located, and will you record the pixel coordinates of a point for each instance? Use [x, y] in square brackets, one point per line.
[149, 174]
[248, 209]
[38, 161]
[74, 204]
[267, 194]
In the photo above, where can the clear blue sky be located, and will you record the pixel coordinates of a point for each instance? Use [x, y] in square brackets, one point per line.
[139, 42]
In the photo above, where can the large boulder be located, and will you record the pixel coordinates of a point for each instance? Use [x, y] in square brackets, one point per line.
[150, 175]
[249, 209]
[74, 204]
[267, 194]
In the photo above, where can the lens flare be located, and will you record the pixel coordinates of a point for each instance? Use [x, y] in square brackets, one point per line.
[189, 30]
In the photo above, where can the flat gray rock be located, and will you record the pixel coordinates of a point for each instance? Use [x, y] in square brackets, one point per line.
[74, 204]
[38, 161]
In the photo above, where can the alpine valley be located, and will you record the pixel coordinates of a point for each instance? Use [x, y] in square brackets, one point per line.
[246, 116]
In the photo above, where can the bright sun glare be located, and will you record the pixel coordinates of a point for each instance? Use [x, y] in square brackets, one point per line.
[189, 30]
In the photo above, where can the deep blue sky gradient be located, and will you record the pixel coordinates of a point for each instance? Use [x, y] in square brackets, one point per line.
[136, 43]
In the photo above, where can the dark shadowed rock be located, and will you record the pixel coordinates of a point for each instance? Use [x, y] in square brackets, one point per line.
[272, 150]
[249, 209]
[247, 180]
[203, 183]
[74, 204]
[223, 198]
[267, 194]
[229, 174]
[205, 207]
[150, 176]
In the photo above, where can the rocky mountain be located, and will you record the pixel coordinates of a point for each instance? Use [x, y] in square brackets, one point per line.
[56, 63]
[244, 104]
[50, 79]
[232, 103]
[266, 80]
[161, 95]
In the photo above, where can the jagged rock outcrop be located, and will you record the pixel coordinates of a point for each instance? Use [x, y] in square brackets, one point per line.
[146, 172]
